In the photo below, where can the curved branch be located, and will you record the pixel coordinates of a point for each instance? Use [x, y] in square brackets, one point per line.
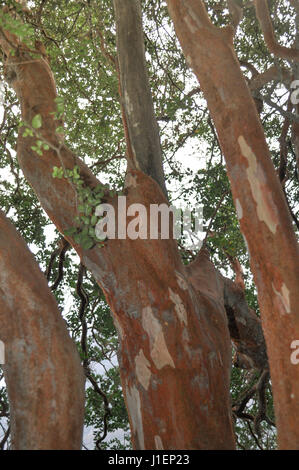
[272, 73]
[236, 13]
[263, 16]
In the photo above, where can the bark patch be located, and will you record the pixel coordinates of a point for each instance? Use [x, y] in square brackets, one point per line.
[142, 367]
[134, 406]
[266, 210]
[159, 351]
[179, 306]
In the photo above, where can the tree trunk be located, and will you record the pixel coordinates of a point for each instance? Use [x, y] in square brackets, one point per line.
[264, 217]
[175, 352]
[44, 377]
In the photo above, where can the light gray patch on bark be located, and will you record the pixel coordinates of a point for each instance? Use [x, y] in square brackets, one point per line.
[134, 406]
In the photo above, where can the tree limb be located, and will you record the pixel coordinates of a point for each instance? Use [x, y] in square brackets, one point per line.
[135, 91]
[236, 13]
[263, 16]
[273, 73]
[43, 373]
[244, 325]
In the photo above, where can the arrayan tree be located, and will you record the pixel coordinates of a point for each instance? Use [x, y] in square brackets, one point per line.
[175, 312]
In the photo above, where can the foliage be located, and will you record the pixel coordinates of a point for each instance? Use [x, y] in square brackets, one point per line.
[88, 199]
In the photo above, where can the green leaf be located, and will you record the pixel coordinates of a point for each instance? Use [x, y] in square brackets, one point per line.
[37, 150]
[77, 238]
[28, 132]
[57, 172]
[88, 210]
[37, 121]
[84, 231]
[87, 243]
[85, 219]
[70, 231]
[93, 220]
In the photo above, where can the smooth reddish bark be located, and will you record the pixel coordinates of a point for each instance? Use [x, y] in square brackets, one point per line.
[264, 217]
[44, 377]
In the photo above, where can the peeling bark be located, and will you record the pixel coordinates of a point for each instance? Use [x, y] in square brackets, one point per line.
[264, 217]
[44, 377]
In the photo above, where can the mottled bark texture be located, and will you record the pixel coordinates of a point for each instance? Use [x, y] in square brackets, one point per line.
[262, 211]
[44, 377]
[175, 350]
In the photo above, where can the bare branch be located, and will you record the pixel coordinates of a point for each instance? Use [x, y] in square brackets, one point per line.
[5, 438]
[135, 91]
[63, 247]
[263, 16]
[273, 73]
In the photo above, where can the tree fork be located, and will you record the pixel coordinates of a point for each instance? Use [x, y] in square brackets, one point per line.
[173, 335]
[170, 339]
